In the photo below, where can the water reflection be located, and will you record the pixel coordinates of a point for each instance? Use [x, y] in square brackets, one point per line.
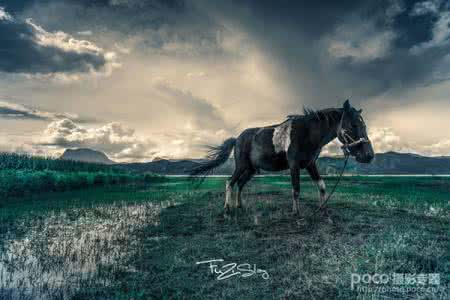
[61, 252]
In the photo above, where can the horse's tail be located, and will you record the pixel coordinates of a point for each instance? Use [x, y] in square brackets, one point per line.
[217, 155]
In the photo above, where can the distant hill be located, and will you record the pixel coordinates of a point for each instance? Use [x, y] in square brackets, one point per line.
[384, 163]
[389, 163]
[86, 155]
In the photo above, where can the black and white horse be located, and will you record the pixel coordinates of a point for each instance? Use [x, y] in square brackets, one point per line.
[294, 144]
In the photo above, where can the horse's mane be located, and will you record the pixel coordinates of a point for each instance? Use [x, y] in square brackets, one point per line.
[309, 114]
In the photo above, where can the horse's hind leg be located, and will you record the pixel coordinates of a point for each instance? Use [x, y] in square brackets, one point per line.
[295, 180]
[243, 179]
[229, 188]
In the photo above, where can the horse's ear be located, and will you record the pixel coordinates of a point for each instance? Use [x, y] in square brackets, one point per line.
[347, 105]
[360, 111]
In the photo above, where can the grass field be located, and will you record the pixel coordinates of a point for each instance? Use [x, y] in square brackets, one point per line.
[143, 241]
[23, 175]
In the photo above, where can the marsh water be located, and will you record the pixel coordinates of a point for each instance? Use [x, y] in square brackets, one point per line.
[56, 253]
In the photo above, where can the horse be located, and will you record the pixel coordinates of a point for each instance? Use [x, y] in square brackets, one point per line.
[293, 144]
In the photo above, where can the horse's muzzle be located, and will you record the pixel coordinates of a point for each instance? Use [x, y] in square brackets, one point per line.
[365, 154]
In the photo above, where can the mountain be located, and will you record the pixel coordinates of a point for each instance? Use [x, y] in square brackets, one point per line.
[384, 163]
[406, 163]
[86, 155]
[393, 163]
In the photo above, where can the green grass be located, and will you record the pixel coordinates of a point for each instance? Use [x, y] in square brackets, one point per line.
[24, 175]
[14, 161]
[143, 241]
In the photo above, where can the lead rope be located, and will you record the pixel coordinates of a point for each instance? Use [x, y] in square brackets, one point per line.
[323, 204]
[345, 147]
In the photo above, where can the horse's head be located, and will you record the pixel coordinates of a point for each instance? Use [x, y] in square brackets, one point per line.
[352, 133]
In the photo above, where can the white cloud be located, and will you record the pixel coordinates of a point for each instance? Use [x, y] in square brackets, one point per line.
[122, 143]
[386, 139]
[426, 7]
[439, 148]
[63, 41]
[5, 15]
[33, 51]
[67, 43]
[363, 40]
[116, 140]
[383, 140]
[332, 149]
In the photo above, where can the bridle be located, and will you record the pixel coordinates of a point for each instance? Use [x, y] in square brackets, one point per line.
[348, 141]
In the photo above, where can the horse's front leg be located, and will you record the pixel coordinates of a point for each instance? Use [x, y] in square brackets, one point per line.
[315, 176]
[295, 180]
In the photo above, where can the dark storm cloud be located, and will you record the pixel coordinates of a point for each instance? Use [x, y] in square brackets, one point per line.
[27, 48]
[327, 50]
[330, 50]
[10, 110]
[156, 22]
[13, 113]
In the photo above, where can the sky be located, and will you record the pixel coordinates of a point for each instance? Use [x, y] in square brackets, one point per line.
[147, 79]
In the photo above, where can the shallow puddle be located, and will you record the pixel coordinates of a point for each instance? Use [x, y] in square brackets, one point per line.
[59, 253]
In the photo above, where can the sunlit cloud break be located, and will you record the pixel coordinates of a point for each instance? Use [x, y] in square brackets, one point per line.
[29, 49]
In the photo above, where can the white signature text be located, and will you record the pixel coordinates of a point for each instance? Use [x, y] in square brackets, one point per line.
[233, 269]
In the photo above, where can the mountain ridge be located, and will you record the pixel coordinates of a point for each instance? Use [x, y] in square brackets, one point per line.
[389, 163]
